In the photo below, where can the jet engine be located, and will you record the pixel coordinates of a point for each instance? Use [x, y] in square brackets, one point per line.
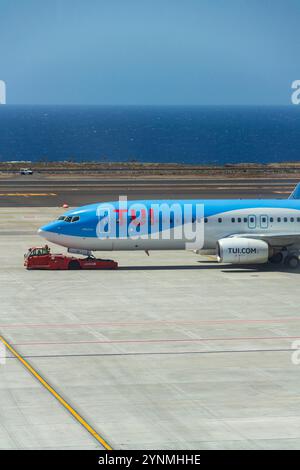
[242, 251]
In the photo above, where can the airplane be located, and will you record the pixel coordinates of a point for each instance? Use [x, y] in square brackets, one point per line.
[238, 231]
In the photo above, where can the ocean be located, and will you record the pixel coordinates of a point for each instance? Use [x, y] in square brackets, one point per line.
[167, 134]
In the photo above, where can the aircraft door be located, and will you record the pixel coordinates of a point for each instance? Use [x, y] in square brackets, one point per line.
[264, 221]
[251, 221]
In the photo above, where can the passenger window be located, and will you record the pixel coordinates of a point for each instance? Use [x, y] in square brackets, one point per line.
[239, 219]
[292, 219]
[233, 220]
[245, 220]
[298, 219]
[285, 219]
[278, 219]
[205, 220]
[271, 219]
[220, 220]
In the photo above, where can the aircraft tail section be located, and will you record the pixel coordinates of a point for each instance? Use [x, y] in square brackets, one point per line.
[296, 193]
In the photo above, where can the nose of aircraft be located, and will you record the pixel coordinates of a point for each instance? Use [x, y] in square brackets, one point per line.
[42, 232]
[49, 231]
[47, 228]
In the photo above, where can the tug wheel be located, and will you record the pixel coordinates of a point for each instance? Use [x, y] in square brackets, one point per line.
[74, 265]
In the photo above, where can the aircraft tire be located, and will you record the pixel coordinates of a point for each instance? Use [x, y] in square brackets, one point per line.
[277, 258]
[292, 261]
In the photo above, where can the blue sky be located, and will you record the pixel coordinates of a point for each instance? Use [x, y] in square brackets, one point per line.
[149, 51]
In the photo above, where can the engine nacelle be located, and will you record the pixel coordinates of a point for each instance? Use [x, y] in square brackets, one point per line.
[242, 251]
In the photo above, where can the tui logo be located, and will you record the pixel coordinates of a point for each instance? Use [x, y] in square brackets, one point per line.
[242, 251]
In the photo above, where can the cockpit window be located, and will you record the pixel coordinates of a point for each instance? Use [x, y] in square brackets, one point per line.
[69, 218]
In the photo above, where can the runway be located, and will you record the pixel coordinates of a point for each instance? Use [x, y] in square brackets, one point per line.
[42, 191]
[171, 351]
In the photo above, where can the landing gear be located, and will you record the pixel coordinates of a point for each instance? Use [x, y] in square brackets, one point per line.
[277, 258]
[292, 261]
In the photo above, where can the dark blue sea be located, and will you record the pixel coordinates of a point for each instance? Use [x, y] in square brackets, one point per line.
[194, 134]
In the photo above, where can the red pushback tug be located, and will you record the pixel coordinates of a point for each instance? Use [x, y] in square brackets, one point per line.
[42, 258]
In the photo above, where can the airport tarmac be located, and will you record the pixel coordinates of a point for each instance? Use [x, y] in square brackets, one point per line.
[171, 351]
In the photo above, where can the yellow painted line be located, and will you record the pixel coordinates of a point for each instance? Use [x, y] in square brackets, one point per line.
[57, 396]
[26, 194]
[282, 192]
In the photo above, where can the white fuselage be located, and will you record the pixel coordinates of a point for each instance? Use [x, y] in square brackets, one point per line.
[221, 224]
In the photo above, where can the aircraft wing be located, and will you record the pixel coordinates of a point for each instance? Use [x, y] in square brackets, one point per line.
[274, 239]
